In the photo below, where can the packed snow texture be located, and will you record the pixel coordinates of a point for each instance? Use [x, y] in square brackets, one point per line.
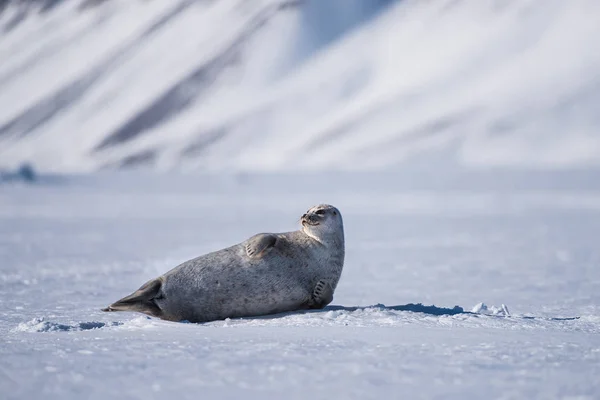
[271, 85]
[523, 244]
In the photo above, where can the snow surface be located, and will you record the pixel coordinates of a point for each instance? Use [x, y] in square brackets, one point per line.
[458, 138]
[528, 240]
[272, 85]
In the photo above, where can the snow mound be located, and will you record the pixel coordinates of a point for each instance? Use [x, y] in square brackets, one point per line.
[482, 308]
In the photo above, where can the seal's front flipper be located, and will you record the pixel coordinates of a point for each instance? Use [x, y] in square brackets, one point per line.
[321, 295]
[259, 244]
[142, 300]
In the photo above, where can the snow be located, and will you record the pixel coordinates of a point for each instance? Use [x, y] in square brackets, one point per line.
[458, 138]
[269, 86]
[489, 242]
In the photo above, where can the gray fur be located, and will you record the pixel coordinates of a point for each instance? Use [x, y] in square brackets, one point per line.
[268, 273]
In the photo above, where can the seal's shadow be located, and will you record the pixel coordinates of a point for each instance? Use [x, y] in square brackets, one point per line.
[417, 308]
[420, 308]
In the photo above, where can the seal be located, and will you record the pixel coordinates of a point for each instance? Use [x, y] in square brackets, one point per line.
[268, 273]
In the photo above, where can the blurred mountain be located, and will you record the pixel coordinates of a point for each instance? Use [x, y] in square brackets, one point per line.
[294, 85]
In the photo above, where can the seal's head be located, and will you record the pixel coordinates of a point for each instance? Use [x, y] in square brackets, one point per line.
[323, 223]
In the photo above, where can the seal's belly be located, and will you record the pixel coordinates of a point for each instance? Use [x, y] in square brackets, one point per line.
[247, 298]
[239, 291]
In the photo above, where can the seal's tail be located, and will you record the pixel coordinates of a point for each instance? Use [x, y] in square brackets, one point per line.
[142, 300]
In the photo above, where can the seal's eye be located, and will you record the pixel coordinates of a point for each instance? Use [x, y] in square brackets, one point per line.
[319, 212]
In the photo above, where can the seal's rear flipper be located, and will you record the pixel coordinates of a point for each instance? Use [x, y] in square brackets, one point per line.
[142, 300]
